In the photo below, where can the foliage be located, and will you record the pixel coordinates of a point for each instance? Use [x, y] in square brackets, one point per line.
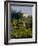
[18, 30]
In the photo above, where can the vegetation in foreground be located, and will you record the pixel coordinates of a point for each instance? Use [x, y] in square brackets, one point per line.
[21, 27]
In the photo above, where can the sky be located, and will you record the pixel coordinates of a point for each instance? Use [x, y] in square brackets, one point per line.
[25, 9]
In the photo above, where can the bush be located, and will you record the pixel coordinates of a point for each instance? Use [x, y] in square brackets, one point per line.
[17, 28]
